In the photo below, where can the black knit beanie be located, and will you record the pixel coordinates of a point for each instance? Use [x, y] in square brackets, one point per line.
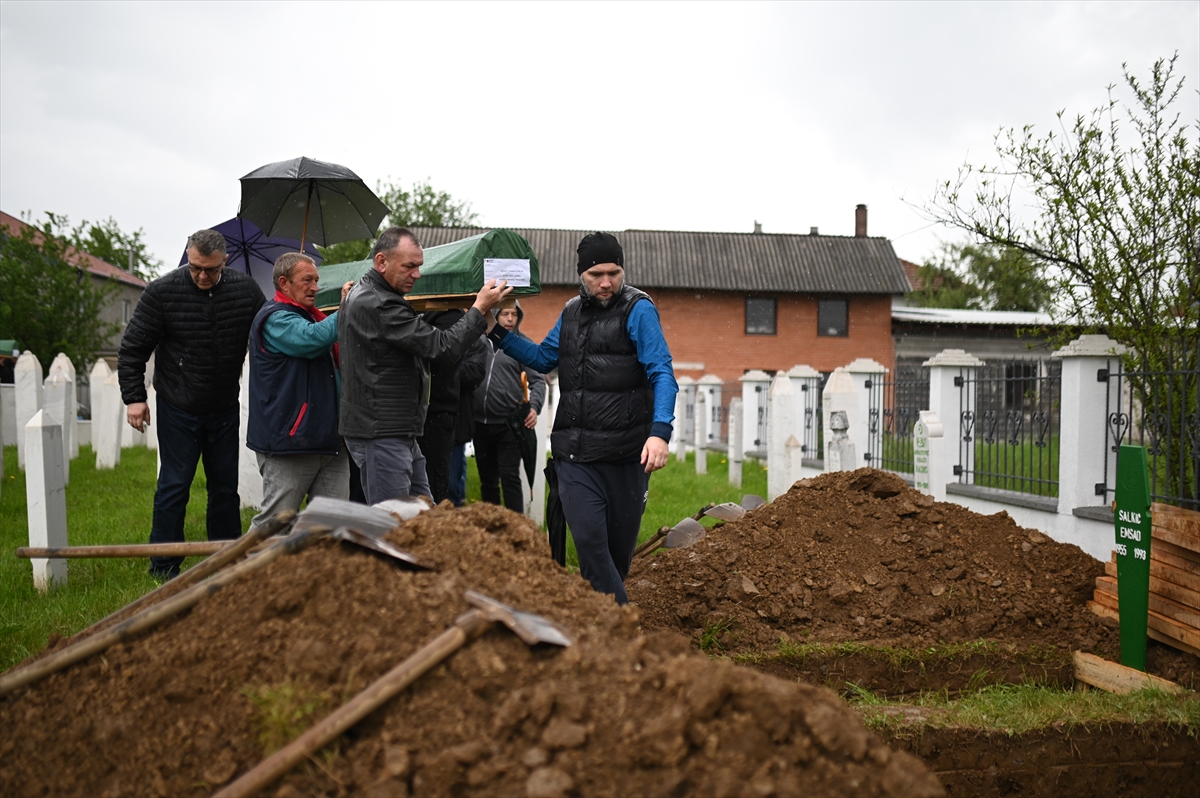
[599, 248]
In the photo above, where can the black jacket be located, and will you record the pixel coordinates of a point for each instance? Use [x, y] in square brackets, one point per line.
[501, 392]
[385, 350]
[198, 339]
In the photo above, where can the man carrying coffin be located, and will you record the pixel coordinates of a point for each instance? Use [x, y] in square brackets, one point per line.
[615, 416]
[293, 425]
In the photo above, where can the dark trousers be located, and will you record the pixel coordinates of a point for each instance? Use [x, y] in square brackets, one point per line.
[436, 444]
[184, 439]
[499, 462]
[457, 490]
[603, 504]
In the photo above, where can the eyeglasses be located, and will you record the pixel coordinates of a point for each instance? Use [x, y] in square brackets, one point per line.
[211, 271]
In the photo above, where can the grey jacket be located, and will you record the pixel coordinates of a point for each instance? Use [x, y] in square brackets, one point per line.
[385, 352]
[500, 392]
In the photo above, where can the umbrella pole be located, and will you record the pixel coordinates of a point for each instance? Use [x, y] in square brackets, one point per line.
[307, 206]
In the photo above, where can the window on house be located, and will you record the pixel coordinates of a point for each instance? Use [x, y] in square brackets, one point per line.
[833, 317]
[125, 311]
[760, 315]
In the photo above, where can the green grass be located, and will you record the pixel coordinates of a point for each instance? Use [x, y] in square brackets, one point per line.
[1015, 709]
[103, 507]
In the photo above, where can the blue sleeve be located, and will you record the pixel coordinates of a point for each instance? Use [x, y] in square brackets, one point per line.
[645, 330]
[541, 357]
[295, 336]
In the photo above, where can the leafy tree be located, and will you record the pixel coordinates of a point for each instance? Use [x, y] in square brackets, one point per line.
[423, 206]
[983, 277]
[1115, 222]
[108, 242]
[48, 302]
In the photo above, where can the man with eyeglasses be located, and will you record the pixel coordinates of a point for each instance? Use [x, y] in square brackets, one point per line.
[196, 321]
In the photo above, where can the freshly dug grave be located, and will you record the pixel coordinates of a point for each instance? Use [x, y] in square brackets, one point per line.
[188, 707]
[1126, 759]
[867, 574]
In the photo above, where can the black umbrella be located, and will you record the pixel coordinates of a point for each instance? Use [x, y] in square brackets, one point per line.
[311, 200]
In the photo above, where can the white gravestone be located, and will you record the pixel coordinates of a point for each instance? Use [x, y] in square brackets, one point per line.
[535, 508]
[8, 415]
[108, 416]
[57, 392]
[736, 450]
[96, 378]
[780, 426]
[3, 420]
[45, 497]
[839, 449]
[700, 432]
[927, 427]
[250, 484]
[27, 378]
[841, 394]
[71, 423]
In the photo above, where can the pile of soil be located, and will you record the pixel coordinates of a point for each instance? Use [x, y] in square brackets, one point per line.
[860, 556]
[618, 713]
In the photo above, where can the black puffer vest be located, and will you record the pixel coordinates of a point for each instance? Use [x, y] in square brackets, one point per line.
[607, 403]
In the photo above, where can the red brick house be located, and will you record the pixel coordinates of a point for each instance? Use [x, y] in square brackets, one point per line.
[731, 302]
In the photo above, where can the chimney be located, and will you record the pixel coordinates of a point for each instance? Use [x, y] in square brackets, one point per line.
[757, 228]
[812, 231]
[860, 221]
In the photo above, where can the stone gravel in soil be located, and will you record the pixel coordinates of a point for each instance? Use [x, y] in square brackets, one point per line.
[860, 556]
[619, 713]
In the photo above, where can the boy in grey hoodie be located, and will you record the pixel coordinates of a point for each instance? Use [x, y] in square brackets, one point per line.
[498, 400]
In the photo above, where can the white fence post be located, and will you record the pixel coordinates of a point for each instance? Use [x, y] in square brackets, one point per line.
[3, 421]
[780, 409]
[700, 433]
[71, 422]
[8, 415]
[842, 394]
[1082, 433]
[948, 402]
[107, 417]
[680, 430]
[58, 393]
[45, 497]
[250, 487]
[711, 386]
[27, 377]
[735, 441]
[866, 374]
[755, 387]
[152, 429]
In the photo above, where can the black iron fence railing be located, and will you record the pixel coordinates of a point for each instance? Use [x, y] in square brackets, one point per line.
[812, 444]
[1157, 405]
[895, 403]
[1009, 411]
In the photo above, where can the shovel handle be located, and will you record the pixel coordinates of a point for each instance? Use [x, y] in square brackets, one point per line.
[468, 626]
[652, 543]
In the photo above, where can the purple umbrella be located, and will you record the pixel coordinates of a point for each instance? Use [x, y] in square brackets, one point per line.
[254, 253]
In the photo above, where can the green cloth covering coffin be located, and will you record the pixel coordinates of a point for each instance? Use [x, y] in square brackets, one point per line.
[450, 269]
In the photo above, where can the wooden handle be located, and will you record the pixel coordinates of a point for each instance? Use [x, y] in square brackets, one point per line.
[150, 617]
[199, 548]
[467, 627]
[651, 544]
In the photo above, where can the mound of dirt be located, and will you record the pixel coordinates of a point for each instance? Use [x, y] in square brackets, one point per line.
[191, 705]
[860, 556]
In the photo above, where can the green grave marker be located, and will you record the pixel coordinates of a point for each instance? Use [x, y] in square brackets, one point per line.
[1131, 515]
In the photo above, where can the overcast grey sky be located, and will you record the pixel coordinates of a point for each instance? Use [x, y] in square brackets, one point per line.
[684, 116]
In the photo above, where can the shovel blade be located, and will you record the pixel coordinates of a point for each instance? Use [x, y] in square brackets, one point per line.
[381, 546]
[750, 502]
[726, 512]
[531, 628]
[687, 532]
[323, 511]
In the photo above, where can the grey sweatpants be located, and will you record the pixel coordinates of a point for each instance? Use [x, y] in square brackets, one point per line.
[391, 467]
[290, 478]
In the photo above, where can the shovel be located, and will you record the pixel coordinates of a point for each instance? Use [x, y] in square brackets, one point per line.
[686, 533]
[732, 512]
[532, 629]
[653, 543]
